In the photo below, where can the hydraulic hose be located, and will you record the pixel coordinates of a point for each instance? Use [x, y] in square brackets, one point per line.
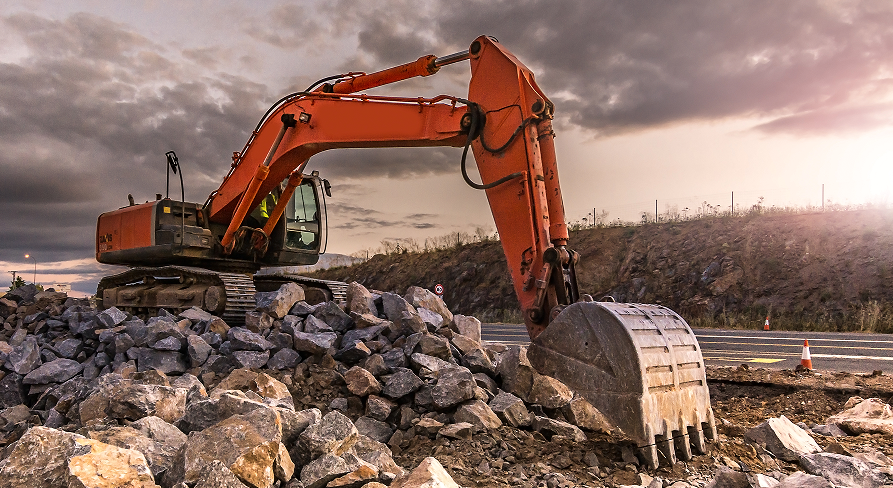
[473, 129]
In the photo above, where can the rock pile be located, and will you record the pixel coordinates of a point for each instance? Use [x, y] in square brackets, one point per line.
[301, 395]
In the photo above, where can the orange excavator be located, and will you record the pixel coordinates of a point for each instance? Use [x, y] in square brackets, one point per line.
[638, 364]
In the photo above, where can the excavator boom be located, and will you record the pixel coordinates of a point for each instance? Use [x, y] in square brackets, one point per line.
[639, 364]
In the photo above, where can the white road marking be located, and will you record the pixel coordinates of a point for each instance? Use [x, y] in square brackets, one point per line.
[817, 339]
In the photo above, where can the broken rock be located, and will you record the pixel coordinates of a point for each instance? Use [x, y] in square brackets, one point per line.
[843, 470]
[867, 416]
[278, 303]
[429, 473]
[478, 414]
[361, 382]
[783, 438]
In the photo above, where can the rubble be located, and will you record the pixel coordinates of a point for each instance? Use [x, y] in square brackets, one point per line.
[784, 439]
[384, 389]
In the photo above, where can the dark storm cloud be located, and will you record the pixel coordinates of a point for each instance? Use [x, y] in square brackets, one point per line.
[389, 162]
[356, 217]
[86, 117]
[622, 66]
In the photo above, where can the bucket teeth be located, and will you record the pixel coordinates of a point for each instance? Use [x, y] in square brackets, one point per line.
[641, 366]
[683, 448]
[666, 449]
[696, 436]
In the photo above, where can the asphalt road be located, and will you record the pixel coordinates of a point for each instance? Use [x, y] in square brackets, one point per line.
[830, 351]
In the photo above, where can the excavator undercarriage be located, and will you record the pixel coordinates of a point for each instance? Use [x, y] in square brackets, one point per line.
[142, 291]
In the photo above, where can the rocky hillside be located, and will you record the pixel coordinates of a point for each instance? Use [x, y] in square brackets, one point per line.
[827, 271]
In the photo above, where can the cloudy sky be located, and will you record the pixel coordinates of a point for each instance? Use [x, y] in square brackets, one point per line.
[682, 102]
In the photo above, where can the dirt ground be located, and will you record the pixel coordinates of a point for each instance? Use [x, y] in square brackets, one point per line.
[742, 398]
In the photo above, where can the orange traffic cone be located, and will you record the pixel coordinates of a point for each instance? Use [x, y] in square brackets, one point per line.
[766, 325]
[806, 360]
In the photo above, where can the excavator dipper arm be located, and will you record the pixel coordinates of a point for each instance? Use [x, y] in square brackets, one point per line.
[639, 364]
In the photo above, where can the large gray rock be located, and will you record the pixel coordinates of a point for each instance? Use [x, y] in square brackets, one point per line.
[250, 359]
[376, 454]
[203, 414]
[365, 334]
[56, 371]
[245, 340]
[317, 343]
[334, 434]
[423, 298]
[49, 457]
[783, 438]
[352, 352]
[844, 471]
[284, 359]
[313, 325]
[403, 382]
[510, 409]
[478, 414]
[866, 416]
[430, 363]
[111, 317]
[468, 326]
[433, 320]
[332, 314]
[133, 401]
[196, 315]
[278, 303]
[12, 392]
[198, 350]
[322, 470]
[162, 432]
[379, 408]
[800, 479]
[516, 372]
[360, 300]
[167, 362]
[454, 386]
[550, 427]
[394, 306]
[582, 414]
[477, 361]
[549, 392]
[248, 445]
[374, 429]
[24, 358]
[429, 473]
[429, 345]
[160, 457]
[361, 382]
[727, 478]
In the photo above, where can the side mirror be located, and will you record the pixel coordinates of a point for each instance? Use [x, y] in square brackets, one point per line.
[328, 187]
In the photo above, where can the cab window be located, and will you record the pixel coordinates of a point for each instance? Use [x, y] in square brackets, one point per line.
[302, 218]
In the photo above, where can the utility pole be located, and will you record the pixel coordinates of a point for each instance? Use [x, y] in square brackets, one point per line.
[13, 277]
[733, 203]
[823, 197]
[655, 211]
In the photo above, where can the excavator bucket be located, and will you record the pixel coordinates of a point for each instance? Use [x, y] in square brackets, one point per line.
[641, 366]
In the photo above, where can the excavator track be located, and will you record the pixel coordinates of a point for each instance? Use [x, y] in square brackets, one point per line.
[142, 291]
[240, 293]
[317, 290]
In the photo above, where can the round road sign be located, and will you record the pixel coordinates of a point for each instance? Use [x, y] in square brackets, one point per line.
[438, 289]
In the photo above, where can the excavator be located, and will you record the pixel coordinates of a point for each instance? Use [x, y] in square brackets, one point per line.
[639, 364]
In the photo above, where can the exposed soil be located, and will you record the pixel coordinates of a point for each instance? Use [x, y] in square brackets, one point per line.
[742, 398]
